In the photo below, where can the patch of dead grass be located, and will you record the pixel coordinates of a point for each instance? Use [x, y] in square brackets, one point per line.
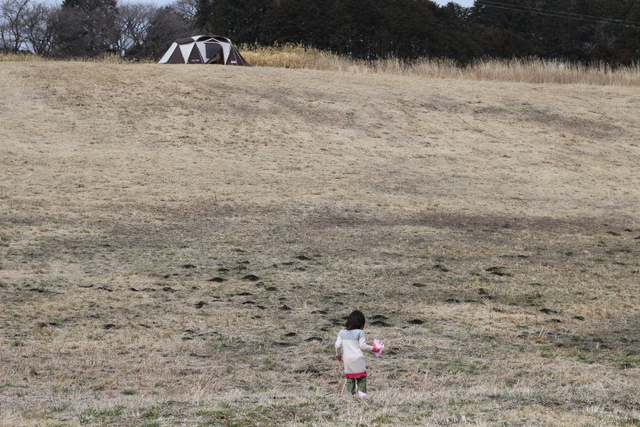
[526, 70]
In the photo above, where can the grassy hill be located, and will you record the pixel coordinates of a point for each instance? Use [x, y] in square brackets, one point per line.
[180, 246]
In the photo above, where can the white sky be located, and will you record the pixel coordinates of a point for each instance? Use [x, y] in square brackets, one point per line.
[465, 3]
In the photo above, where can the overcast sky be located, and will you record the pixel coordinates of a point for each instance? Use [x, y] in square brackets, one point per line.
[466, 3]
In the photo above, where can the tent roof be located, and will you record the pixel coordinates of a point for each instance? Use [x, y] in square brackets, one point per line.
[204, 38]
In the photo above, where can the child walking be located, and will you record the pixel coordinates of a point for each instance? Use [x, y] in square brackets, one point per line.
[349, 347]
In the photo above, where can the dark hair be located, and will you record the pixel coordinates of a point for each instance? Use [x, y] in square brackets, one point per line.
[355, 320]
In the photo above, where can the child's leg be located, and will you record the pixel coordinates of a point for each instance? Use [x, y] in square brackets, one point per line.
[351, 385]
[362, 384]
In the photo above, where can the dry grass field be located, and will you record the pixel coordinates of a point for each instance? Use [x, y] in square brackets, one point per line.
[179, 246]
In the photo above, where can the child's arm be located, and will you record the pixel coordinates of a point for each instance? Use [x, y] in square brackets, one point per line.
[376, 348]
[339, 348]
[363, 344]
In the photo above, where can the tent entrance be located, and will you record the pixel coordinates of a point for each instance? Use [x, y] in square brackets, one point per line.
[214, 53]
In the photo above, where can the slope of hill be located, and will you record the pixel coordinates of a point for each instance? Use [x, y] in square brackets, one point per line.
[180, 245]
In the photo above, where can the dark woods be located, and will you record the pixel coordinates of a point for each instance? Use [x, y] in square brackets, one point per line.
[584, 31]
[578, 30]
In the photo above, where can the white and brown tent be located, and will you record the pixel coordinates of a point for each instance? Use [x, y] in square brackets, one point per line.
[203, 50]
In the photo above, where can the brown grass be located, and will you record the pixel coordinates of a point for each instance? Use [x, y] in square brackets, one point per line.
[107, 58]
[516, 70]
[13, 57]
[489, 231]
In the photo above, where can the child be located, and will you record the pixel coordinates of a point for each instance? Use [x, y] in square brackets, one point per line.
[349, 347]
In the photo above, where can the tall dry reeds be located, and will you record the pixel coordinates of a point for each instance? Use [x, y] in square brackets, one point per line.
[530, 70]
[292, 56]
[535, 70]
[13, 57]
[107, 58]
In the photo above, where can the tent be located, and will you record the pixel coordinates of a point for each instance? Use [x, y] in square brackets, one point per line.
[203, 50]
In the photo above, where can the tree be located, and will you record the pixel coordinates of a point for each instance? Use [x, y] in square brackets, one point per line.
[240, 20]
[628, 45]
[134, 21]
[188, 10]
[577, 30]
[366, 29]
[38, 28]
[167, 25]
[87, 28]
[12, 13]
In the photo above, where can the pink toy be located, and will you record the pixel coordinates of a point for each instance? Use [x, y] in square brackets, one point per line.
[380, 346]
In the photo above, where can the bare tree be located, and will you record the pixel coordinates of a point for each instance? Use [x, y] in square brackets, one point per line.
[187, 9]
[38, 28]
[167, 25]
[92, 27]
[134, 21]
[12, 24]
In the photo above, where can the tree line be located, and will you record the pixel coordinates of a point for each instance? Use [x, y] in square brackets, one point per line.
[584, 31]
[89, 28]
